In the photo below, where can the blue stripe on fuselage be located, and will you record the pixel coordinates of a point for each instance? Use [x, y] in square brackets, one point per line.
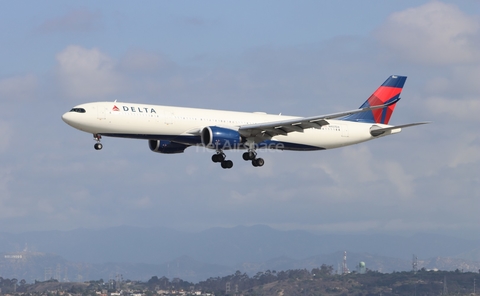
[196, 140]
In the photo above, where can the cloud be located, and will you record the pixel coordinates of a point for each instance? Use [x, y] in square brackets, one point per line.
[87, 73]
[92, 74]
[390, 184]
[18, 88]
[458, 84]
[79, 20]
[144, 62]
[358, 171]
[465, 151]
[466, 109]
[401, 181]
[434, 34]
[8, 204]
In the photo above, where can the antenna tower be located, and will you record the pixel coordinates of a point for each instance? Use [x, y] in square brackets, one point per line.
[65, 278]
[344, 265]
[48, 274]
[445, 290]
[414, 264]
[119, 280]
[57, 273]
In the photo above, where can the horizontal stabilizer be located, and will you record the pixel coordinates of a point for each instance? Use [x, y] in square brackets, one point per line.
[376, 131]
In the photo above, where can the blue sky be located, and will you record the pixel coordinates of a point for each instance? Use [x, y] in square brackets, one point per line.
[298, 58]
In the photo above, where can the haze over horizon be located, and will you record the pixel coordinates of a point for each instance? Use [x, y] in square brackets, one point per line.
[295, 58]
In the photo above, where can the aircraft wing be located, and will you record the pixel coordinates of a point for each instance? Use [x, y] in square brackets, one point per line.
[283, 127]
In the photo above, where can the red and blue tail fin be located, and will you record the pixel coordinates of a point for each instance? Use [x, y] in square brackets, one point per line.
[387, 93]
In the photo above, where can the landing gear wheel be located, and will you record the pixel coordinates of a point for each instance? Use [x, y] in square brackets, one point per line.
[219, 157]
[98, 146]
[227, 164]
[250, 155]
[258, 162]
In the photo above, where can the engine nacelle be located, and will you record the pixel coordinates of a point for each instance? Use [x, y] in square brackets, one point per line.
[215, 137]
[167, 147]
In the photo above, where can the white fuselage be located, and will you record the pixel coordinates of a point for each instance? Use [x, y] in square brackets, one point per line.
[155, 122]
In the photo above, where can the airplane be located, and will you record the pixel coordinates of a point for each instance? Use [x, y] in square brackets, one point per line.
[171, 129]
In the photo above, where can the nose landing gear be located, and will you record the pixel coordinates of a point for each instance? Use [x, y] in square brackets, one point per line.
[98, 145]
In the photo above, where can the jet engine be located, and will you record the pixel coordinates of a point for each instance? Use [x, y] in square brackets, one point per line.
[167, 147]
[215, 137]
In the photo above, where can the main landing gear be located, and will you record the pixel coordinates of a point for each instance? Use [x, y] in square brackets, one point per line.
[251, 155]
[228, 164]
[220, 157]
[98, 145]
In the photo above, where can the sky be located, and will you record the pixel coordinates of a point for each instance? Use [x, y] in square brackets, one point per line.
[296, 58]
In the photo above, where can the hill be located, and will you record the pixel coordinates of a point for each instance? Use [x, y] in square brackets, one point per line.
[139, 253]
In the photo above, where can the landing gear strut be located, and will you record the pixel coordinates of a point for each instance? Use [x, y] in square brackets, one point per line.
[252, 155]
[98, 145]
[220, 157]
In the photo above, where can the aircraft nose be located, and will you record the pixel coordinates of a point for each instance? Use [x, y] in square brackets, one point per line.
[66, 117]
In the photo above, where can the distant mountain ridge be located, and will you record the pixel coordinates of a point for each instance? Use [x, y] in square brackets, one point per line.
[225, 246]
[220, 251]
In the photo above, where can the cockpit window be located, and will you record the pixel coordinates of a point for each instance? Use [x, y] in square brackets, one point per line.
[78, 110]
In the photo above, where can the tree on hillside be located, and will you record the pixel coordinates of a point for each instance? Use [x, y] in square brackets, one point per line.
[323, 270]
